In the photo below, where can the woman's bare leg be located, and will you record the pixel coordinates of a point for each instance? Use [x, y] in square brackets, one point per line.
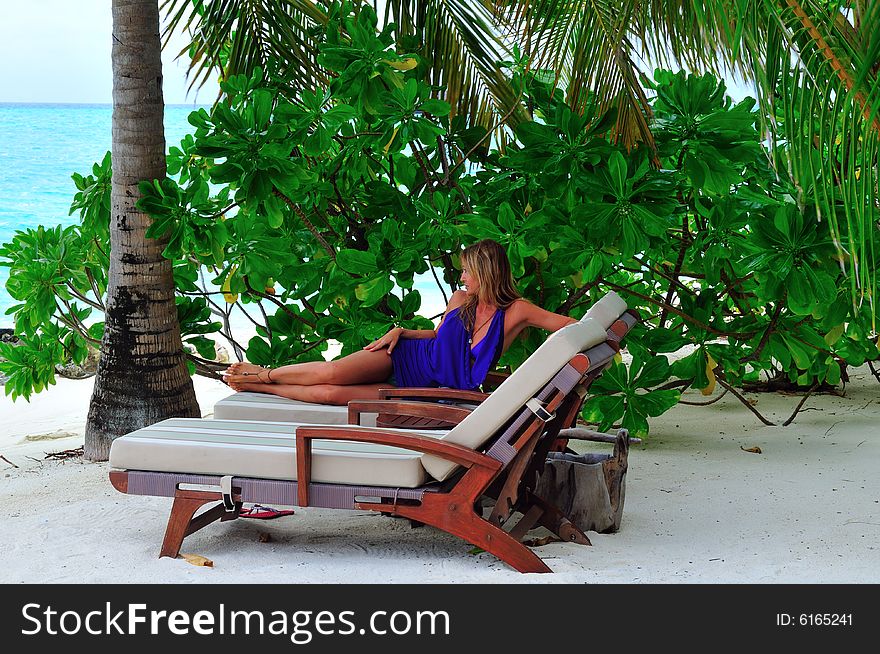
[362, 367]
[317, 393]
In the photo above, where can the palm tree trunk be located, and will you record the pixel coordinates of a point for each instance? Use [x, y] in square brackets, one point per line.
[142, 375]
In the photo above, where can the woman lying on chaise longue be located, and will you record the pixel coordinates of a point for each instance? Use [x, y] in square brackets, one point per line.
[479, 324]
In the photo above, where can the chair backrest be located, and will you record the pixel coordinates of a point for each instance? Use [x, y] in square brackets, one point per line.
[607, 310]
[521, 386]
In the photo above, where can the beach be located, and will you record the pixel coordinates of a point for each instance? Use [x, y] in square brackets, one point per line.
[699, 508]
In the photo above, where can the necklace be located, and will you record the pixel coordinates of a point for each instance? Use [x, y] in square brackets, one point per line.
[483, 324]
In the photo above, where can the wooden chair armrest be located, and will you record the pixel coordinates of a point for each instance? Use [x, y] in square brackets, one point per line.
[444, 412]
[454, 394]
[459, 454]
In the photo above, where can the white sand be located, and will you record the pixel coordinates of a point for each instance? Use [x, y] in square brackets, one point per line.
[698, 509]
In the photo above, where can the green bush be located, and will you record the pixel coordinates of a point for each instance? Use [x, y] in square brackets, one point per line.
[323, 208]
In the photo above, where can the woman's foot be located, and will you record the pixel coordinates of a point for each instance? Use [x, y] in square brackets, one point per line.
[242, 367]
[243, 372]
[253, 387]
[236, 386]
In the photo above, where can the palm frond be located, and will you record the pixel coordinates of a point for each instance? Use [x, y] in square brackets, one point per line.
[463, 47]
[589, 45]
[827, 95]
[236, 36]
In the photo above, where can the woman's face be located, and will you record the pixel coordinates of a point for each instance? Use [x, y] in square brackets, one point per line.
[469, 281]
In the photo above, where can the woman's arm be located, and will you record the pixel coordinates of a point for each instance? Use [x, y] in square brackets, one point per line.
[390, 339]
[416, 333]
[535, 316]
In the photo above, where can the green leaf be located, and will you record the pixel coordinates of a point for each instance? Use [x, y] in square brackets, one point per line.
[411, 303]
[258, 351]
[506, 218]
[656, 402]
[798, 352]
[436, 107]
[357, 262]
[832, 376]
[604, 409]
[204, 346]
[535, 134]
[655, 371]
[635, 422]
[374, 290]
[617, 169]
[274, 211]
[317, 143]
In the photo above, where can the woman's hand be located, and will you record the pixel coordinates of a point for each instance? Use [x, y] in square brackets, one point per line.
[389, 340]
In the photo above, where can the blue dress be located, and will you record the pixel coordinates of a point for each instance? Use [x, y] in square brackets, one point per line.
[446, 359]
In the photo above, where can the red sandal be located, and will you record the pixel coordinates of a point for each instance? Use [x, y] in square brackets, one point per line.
[260, 512]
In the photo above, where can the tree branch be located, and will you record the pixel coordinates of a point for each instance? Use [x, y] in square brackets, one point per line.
[712, 401]
[437, 279]
[800, 404]
[302, 215]
[82, 298]
[681, 314]
[480, 142]
[766, 337]
[743, 400]
[94, 286]
[568, 305]
[679, 262]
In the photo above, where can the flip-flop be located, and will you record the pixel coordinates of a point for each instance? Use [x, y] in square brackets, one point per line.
[259, 512]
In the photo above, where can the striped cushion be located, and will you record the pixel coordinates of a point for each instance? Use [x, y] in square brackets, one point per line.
[263, 406]
[265, 450]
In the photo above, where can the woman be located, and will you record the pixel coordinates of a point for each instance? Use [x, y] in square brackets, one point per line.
[479, 324]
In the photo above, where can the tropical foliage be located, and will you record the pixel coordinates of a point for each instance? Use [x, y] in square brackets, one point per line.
[319, 208]
[813, 65]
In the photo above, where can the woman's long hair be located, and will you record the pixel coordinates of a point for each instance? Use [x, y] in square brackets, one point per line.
[487, 261]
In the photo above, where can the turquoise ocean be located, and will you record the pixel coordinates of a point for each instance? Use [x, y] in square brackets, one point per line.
[42, 145]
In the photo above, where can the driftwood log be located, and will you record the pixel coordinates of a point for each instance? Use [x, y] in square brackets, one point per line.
[588, 488]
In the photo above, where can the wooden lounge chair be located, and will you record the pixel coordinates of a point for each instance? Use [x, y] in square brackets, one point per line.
[610, 312]
[437, 478]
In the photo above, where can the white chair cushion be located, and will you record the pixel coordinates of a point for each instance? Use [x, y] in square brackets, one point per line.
[607, 310]
[517, 389]
[264, 406]
[263, 450]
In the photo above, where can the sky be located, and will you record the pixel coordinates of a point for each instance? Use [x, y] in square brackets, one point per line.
[59, 51]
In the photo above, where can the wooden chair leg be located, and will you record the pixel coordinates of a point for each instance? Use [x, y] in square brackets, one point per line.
[498, 542]
[181, 522]
[557, 522]
[550, 517]
[526, 522]
[459, 519]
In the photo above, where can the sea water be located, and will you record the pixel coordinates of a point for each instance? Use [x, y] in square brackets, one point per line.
[42, 145]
